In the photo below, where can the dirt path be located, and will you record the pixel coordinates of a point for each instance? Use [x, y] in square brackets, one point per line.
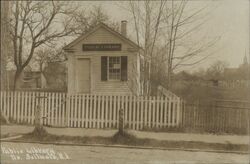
[105, 155]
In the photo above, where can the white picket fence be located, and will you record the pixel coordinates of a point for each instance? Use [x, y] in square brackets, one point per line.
[92, 111]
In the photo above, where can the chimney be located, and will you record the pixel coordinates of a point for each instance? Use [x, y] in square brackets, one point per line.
[124, 28]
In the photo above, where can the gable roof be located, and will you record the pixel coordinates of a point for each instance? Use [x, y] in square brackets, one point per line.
[100, 25]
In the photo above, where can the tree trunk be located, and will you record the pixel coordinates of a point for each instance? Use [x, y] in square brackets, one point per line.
[17, 78]
[169, 77]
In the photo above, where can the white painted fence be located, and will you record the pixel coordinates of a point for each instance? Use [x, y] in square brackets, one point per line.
[92, 111]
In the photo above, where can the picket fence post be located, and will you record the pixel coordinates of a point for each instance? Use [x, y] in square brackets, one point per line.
[93, 110]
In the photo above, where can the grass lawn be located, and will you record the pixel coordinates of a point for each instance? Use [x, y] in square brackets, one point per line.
[129, 140]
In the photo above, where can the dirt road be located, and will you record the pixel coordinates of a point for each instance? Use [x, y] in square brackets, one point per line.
[26, 153]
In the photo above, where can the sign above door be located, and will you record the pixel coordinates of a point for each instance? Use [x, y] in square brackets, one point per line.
[101, 47]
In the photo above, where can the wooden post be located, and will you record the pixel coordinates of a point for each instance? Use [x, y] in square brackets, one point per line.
[121, 121]
[38, 113]
[38, 117]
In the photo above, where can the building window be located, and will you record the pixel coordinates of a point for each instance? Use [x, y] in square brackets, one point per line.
[114, 68]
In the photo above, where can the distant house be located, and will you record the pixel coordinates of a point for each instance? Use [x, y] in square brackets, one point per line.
[33, 80]
[103, 61]
[29, 79]
[231, 74]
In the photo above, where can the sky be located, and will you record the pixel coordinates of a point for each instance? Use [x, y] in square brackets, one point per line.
[227, 19]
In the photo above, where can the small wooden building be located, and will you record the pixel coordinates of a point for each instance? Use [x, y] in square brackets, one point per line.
[103, 61]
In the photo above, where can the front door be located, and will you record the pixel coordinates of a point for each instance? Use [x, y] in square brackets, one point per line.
[83, 75]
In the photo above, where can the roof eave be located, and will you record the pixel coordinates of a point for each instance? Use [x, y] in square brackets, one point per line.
[71, 44]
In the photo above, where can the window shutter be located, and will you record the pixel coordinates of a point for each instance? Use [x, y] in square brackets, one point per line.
[104, 64]
[124, 68]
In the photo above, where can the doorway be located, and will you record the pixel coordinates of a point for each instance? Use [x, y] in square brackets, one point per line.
[83, 75]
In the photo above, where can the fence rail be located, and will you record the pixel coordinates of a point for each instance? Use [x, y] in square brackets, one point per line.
[92, 111]
[102, 111]
[217, 117]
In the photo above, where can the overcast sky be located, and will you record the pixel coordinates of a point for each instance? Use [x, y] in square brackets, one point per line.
[228, 19]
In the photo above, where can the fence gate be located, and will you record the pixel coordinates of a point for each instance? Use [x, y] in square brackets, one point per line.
[53, 107]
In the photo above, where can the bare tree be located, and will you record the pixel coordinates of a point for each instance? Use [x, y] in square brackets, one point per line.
[147, 18]
[180, 51]
[85, 20]
[36, 23]
[164, 30]
[216, 70]
[46, 54]
[41, 56]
